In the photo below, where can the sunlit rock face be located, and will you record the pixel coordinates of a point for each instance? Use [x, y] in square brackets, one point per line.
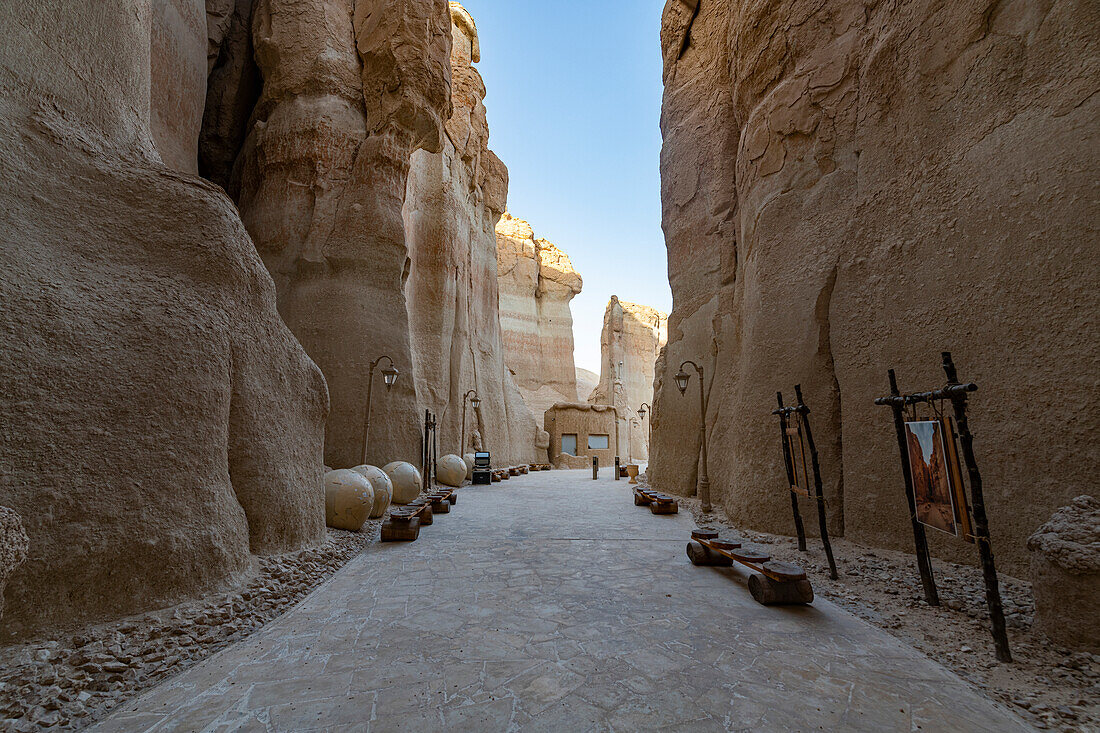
[161, 424]
[537, 281]
[350, 90]
[849, 187]
[630, 342]
[453, 202]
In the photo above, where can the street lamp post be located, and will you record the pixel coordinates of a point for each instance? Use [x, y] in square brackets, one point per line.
[476, 403]
[682, 379]
[389, 376]
[649, 429]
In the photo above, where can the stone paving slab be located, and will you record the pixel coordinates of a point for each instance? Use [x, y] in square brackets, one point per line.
[552, 603]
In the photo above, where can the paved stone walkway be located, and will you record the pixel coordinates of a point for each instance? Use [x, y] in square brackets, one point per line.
[551, 602]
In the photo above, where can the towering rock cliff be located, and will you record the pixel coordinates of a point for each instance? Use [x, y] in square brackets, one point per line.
[853, 186]
[160, 422]
[632, 338]
[452, 205]
[537, 281]
[350, 90]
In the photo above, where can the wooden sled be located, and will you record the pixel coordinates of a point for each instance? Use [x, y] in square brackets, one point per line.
[772, 582]
[657, 502]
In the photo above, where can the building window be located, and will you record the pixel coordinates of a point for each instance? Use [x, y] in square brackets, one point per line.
[569, 444]
[599, 442]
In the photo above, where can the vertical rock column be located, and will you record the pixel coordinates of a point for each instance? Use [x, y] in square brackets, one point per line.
[349, 93]
[453, 203]
[537, 282]
[633, 335]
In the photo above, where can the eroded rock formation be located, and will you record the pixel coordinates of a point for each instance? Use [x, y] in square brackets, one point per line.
[14, 545]
[537, 281]
[350, 90]
[452, 204]
[1065, 575]
[161, 423]
[630, 342]
[854, 186]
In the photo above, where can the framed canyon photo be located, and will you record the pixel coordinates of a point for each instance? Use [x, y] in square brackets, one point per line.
[929, 467]
[797, 449]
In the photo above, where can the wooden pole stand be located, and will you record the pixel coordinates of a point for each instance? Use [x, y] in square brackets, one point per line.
[981, 521]
[798, 527]
[819, 493]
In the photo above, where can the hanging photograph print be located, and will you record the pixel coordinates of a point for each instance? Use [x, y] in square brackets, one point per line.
[797, 448]
[928, 465]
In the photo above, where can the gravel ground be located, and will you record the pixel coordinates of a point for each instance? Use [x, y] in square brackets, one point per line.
[69, 682]
[1050, 687]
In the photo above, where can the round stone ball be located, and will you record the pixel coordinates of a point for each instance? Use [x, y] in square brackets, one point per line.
[349, 499]
[405, 480]
[450, 470]
[383, 488]
[469, 460]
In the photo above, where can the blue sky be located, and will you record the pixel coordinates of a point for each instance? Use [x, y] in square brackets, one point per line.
[574, 101]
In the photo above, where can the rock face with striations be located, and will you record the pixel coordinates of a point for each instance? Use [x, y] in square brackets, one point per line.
[350, 90]
[452, 204]
[849, 187]
[630, 342]
[537, 281]
[161, 423]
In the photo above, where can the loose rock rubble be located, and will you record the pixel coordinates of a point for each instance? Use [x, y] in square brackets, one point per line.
[1048, 686]
[71, 681]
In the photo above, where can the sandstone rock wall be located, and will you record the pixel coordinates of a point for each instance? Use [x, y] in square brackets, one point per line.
[177, 80]
[452, 205]
[537, 281]
[161, 423]
[854, 186]
[633, 336]
[350, 90]
[586, 382]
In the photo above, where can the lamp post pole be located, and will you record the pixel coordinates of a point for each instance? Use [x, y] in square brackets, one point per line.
[389, 376]
[476, 401]
[682, 379]
[649, 428]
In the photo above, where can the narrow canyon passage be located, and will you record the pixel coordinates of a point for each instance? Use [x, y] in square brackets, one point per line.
[554, 603]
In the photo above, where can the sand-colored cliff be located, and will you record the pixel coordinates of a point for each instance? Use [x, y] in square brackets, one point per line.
[630, 342]
[849, 187]
[161, 424]
[350, 90]
[452, 205]
[537, 281]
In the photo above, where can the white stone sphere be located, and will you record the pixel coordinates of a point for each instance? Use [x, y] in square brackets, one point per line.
[450, 470]
[405, 480]
[383, 488]
[349, 499]
[469, 460]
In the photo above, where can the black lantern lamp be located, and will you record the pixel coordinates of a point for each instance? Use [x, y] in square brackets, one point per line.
[682, 384]
[389, 375]
[682, 378]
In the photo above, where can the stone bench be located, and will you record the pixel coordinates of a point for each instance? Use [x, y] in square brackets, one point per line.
[771, 581]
